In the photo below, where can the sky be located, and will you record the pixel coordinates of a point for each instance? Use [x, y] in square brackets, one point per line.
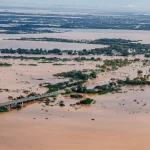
[102, 4]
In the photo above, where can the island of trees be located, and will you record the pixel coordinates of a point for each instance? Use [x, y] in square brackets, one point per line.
[115, 47]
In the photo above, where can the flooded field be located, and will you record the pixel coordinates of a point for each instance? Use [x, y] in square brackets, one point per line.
[28, 77]
[25, 76]
[117, 121]
[88, 34]
[116, 126]
[46, 45]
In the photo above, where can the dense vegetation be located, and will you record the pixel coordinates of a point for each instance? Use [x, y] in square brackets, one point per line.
[106, 41]
[50, 40]
[43, 59]
[59, 86]
[50, 59]
[135, 81]
[114, 64]
[104, 89]
[29, 51]
[77, 75]
[108, 88]
[76, 96]
[87, 101]
[5, 64]
[103, 41]
[116, 47]
[117, 63]
[3, 109]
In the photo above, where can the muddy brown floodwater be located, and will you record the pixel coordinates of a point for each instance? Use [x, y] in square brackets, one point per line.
[88, 34]
[116, 127]
[115, 122]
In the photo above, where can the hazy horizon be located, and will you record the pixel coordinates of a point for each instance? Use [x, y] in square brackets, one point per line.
[117, 5]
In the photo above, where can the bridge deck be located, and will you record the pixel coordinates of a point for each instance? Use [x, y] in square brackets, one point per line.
[23, 100]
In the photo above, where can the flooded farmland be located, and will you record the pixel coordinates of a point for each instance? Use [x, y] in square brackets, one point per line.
[75, 34]
[117, 121]
[89, 34]
[46, 45]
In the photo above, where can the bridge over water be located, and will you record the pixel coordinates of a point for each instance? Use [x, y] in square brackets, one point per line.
[13, 103]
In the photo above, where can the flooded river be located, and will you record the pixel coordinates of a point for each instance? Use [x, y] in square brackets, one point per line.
[115, 122]
[88, 34]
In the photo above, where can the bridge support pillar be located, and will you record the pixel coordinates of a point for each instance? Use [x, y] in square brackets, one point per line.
[22, 104]
[9, 107]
